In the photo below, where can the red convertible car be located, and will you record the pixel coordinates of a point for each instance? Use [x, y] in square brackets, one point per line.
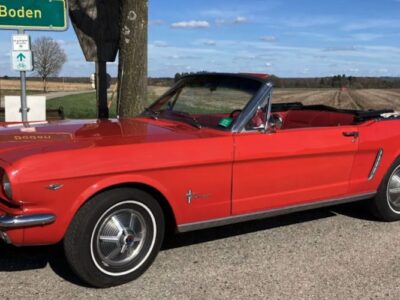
[214, 150]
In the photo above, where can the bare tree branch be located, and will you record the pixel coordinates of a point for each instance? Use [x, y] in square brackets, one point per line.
[49, 58]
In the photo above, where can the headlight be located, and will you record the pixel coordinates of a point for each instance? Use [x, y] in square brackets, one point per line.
[7, 186]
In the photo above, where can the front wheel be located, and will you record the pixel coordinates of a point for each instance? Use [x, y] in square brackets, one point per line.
[386, 204]
[115, 237]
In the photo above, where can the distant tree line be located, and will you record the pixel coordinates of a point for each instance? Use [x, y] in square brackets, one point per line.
[337, 81]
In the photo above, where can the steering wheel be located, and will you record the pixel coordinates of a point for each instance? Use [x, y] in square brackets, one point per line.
[233, 113]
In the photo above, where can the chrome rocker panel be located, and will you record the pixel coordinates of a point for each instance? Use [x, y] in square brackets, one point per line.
[272, 213]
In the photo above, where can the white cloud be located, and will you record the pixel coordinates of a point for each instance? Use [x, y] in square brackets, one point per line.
[259, 56]
[307, 22]
[240, 20]
[366, 37]
[373, 24]
[352, 70]
[191, 24]
[220, 22]
[160, 44]
[268, 38]
[227, 13]
[157, 22]
[210, 43]
[232, 21]
[181, 57]
[341, 49]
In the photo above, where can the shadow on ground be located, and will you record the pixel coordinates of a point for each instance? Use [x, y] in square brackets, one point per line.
[14, 259]
[357, 210]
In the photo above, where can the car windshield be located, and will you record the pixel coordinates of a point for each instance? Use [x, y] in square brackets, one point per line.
[212, 101]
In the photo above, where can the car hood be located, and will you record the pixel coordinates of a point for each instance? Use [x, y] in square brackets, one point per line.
[17, 141]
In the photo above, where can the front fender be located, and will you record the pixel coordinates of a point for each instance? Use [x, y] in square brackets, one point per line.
[115, 181]
[67, 207]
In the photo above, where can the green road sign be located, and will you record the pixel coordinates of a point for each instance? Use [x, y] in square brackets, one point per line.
[33, 14]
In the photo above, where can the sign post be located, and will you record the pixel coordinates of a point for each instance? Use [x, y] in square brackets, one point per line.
[24, 15]
[22, 61]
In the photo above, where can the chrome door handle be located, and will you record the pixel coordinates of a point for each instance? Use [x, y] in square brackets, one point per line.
[353, 134]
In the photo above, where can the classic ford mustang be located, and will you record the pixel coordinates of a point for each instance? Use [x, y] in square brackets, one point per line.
[214, 150]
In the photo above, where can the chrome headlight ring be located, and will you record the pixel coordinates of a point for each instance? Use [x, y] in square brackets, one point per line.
[6, 185]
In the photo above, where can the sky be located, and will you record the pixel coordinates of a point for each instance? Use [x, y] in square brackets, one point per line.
[288, 38]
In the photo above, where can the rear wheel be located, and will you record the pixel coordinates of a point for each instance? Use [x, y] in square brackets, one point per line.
[115, 237]
[386, 204]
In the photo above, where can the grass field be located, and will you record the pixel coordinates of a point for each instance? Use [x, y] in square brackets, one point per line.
[81, 106]
[84, 106]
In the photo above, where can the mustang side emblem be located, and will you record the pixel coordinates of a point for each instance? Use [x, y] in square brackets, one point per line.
[190, 196]
[55, 187]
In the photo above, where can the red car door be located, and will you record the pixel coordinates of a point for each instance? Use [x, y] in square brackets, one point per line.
[291, 167]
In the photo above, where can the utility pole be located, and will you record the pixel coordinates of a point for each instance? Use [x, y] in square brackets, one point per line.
[101, 90]
[132, 73]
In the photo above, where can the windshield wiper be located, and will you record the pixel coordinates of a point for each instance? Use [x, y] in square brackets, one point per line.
[186, 117]
[174, 115]
[153, 114]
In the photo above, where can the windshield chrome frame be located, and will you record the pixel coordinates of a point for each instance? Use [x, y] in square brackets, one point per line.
[251, 108]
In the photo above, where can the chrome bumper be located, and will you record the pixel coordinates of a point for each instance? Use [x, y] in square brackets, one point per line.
[25, 221]
[4, 237]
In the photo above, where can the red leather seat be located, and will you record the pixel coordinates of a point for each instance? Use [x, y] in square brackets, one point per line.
[314, 118]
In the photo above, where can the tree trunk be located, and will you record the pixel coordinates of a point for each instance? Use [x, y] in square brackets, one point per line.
[45, 85]
[132, 71]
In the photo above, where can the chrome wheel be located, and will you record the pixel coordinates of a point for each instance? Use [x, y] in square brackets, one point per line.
[393, 191]
[120, 237]
[123, 238]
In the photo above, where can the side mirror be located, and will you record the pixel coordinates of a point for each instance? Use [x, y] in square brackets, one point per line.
[271, 128]
[262, 128]
[274, 123]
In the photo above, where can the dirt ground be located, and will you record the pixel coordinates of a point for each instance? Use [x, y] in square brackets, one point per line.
[347, 99]
[14, 85]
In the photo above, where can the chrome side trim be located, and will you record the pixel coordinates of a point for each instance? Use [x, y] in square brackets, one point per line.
[25, 221]
[376, 164]
[271, 213]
